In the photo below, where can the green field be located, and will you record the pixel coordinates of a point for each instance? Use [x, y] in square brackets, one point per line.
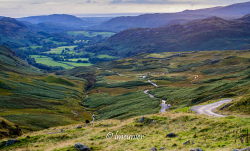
[81, 59]
[33, 47]
[75, 64]
[50, 62]
[91, 33]
[106, 57]
[59, 50]
[50, 40]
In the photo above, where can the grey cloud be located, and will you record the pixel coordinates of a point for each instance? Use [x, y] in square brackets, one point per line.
[126, 1]
[173, 1]
[142, 1]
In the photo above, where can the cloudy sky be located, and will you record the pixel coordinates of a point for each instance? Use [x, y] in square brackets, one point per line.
[19, 8]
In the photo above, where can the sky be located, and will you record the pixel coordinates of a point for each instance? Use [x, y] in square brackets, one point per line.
[21, 8]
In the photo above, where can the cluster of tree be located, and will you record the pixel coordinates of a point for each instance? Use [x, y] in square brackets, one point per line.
[95, 60]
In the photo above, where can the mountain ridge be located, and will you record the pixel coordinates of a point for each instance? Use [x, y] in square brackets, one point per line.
[54, 18]
[16, 34]
[162, 19]
[212, 33]
[11, 26]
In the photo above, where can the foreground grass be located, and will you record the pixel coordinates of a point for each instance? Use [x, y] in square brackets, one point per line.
[208, 133]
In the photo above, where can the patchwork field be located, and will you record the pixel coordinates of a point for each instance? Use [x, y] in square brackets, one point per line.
[65, 64]
[106, 57]
[77, 59]
[53, 41]
[59, 50]
[91, 33]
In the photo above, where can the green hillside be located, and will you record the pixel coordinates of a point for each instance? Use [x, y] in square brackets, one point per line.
[115, 93]
[184, 79]
[34, 100]
[193, 131]
[212, 33]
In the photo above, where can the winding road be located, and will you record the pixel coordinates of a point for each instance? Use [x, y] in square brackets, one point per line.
[200, 109]
[150, 95]
[208, 108]
[163, 104]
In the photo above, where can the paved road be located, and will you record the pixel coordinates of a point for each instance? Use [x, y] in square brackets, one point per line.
[154, 84]
[208, 109]
[150, 95]
[164, 106]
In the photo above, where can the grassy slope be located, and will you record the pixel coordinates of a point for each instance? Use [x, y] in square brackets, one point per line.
[210, 134]
[241, 104]
[8, 129]
[34, 100]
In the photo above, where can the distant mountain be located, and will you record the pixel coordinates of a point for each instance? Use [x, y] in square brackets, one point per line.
[235, 10]
[63, 19]
[93, 21]
[207, 34]
[157, 20]
[246, 18]
[11, 27]
[51, 27]
[61, 22]
[14, 33]
[145, 21]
